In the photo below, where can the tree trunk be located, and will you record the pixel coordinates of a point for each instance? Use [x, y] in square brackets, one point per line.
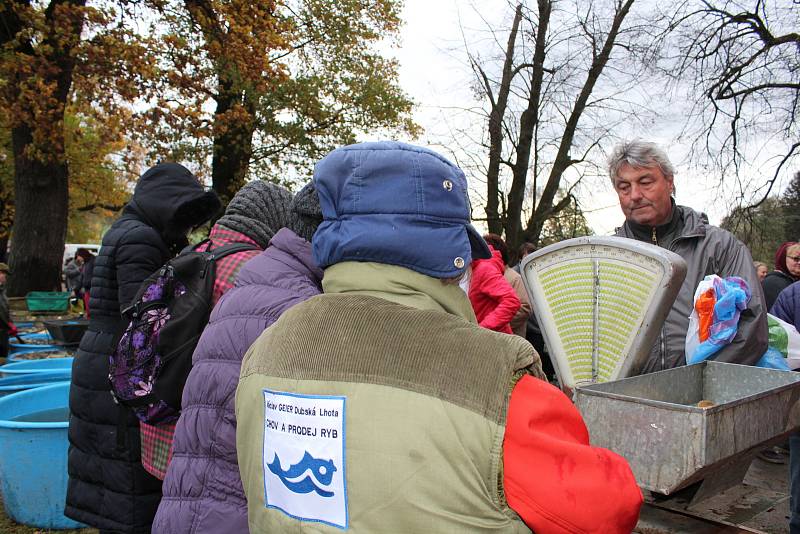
[4, 249]
[493, 217]
[234, 117]
[40, 227]
[527, 123]
[545, 209]
[41, 178]
[234, 125]
[6, 217]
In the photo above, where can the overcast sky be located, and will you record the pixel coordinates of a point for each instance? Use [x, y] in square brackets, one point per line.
[433, 71]
[434, 74]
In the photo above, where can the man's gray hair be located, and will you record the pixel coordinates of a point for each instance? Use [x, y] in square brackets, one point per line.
[638, 153]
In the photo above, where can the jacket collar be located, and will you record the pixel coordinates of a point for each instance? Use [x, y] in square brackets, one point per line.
[287, 252]
[398, 285]
[683, 223]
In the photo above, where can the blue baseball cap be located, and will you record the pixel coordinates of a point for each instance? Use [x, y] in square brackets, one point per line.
[390, 202]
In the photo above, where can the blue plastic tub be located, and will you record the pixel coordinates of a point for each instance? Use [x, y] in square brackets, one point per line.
[33, 463]
[14, 384]
[38, 336]
[35, 366]
[39, 354]
[27, 327]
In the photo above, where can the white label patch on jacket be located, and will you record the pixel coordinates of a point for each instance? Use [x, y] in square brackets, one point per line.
[304, 472]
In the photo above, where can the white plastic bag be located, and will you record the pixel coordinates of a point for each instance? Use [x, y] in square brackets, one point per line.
[786, 339]
[693, 333]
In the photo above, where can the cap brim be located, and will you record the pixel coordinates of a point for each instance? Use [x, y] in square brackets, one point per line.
[480, 250]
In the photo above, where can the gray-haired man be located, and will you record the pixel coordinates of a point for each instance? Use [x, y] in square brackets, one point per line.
[643, 178]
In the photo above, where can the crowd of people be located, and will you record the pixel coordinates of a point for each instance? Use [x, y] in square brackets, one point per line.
[782, 292]
[371, 361]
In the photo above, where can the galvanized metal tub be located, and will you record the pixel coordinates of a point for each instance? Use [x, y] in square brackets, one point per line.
[654, 422]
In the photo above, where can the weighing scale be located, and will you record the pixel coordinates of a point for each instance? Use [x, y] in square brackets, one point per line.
[600, 303]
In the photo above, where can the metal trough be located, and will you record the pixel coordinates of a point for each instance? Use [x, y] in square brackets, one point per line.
[654, 421]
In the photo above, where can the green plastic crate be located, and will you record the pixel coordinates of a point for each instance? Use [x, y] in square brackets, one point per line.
[48, 301]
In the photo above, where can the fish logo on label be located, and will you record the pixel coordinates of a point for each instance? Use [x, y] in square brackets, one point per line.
[303, 457]
[322, 471]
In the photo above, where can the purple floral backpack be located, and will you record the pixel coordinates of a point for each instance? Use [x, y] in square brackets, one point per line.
[152, 360]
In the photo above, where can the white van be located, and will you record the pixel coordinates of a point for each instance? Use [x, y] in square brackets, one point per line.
[71, 248]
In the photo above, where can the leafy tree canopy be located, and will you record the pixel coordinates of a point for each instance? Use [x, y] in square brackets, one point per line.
[100, 177]
[567, 223]
[764, 227]
[214, 84]
[275, 85]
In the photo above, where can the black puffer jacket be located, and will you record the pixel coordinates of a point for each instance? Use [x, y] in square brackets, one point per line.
[773, 284]
[108, 488]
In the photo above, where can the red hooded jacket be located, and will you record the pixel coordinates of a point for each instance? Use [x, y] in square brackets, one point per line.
[494, 300]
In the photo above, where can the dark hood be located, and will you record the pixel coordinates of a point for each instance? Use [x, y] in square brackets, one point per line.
[170, 198]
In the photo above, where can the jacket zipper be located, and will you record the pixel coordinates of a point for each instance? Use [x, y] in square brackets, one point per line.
[663, 336]
[663, 341]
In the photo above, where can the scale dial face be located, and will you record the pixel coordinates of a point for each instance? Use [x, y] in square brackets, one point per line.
[598, 300]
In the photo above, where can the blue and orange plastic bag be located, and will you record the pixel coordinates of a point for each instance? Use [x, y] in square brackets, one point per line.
[718, 303]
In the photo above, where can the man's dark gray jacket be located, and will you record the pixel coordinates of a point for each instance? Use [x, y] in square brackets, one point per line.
[707, 250]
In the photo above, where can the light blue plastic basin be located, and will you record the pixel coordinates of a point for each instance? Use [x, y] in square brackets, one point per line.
[35, 366]
[37, 354]
[40, 336]
[13, 384]
[33, 462]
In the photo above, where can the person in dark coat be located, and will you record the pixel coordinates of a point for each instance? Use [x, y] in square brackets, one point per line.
[108, 487]
[787, 272]
[787, 308]
[252, 217]
[203, 491]
[7, 327]
[72, 275]
[87, 271]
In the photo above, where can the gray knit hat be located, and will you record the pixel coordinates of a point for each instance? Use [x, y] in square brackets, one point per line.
[258, 210]
[305, 214]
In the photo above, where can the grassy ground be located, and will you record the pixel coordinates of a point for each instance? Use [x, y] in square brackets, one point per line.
[8, 526]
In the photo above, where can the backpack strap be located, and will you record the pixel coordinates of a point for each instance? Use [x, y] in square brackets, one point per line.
[231, 248]
[193, 248]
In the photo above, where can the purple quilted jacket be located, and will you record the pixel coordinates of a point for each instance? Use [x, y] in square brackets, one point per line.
[787, 305]
[203, 491]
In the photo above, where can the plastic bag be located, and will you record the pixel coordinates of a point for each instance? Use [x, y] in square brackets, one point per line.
[693, 333]
[784, 338]
[722, 299]
[773, 359]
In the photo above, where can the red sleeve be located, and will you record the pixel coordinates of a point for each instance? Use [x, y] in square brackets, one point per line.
[497, 288]
[553, 478]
